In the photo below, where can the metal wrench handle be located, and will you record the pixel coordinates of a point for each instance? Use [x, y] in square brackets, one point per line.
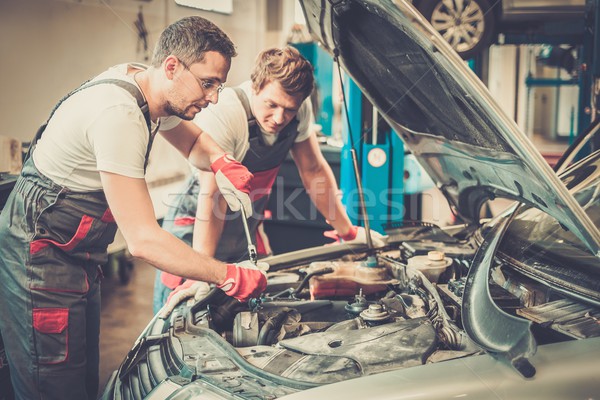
[251, 248]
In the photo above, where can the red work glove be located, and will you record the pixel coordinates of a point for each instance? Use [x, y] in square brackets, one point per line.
[351, 235]
[358, 234]
[244, 280]
[233, 180]
[236, 173]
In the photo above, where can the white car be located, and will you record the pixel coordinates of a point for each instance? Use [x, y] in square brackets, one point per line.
[508, 309]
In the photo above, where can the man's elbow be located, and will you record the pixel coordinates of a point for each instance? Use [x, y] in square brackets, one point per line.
[136, 249]
[313, 171]
[141, 243]
[199, 161]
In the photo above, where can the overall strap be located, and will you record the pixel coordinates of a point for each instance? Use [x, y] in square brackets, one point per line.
[130, 87]
[246, 104]
[253, 128]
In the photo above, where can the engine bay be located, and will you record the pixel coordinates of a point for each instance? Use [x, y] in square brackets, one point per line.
[364, 313]
[334, 313]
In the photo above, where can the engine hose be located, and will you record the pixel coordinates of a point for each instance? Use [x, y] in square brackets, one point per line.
[271, 325]
[457, 339]
[304, 282]
[448, 329]
[449, 337]
[432, 314]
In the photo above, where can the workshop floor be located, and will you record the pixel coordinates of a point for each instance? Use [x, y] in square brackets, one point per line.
[126, 310]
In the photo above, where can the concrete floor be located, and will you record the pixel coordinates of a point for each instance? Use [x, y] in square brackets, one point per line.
[126, 310]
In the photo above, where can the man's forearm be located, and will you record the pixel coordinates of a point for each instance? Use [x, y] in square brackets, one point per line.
[131, 206]
[322, 189]
[210, 219]
[166, 252]
[204, 152]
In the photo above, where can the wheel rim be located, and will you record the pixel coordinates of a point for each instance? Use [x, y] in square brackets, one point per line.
[460, 22]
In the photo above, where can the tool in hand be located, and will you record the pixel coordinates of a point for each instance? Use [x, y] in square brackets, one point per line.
[251, 248]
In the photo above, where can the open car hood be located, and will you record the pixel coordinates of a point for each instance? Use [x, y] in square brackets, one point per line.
[441, 110]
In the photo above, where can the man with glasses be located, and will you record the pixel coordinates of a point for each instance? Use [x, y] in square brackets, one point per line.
[258, 122]
[209, 86]
[85, 175]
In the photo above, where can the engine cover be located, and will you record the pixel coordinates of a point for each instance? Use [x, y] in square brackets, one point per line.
[331, 356]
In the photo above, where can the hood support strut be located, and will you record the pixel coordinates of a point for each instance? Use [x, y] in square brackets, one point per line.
[361, 193]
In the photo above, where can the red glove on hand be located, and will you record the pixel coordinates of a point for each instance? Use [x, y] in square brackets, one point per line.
[233, 180]
[351, 235]
[244, 281]
[357, 234]
[234, 171]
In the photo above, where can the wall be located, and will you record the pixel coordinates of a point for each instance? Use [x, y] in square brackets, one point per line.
[508, 67]
[49, 47]
[555, 107]
[537, 111]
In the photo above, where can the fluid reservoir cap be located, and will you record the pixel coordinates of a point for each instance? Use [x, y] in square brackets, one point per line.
[435, 255]
[371, 262]
[431, 265]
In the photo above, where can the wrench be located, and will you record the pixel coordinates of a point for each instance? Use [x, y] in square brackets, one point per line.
[251, 247]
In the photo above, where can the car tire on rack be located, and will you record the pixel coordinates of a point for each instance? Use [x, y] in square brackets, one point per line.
[467, 25]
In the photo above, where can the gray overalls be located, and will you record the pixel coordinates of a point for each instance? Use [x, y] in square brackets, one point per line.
[264, 162]
[53, 242]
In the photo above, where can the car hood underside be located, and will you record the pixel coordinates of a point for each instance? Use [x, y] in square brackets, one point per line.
[440, 109]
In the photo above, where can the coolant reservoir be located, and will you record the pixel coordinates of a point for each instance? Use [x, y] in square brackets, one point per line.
[432, 265]
[347, 279]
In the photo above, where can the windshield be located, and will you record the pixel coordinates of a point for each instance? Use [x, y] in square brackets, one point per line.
[542, 246]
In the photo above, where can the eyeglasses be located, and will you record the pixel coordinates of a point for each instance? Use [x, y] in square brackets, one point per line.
[208, 86]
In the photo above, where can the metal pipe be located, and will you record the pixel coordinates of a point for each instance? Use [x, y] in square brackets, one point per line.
[327, 270]
[361, 198]
[375, 126]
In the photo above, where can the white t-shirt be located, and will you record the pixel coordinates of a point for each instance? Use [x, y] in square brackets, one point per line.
[100, 128]
[226, 122]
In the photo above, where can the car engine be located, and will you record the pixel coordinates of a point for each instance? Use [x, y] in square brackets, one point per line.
[360, 314]
[335, 313]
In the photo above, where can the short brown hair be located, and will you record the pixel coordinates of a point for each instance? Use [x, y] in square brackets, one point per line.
[189, 39]
[286, 66]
